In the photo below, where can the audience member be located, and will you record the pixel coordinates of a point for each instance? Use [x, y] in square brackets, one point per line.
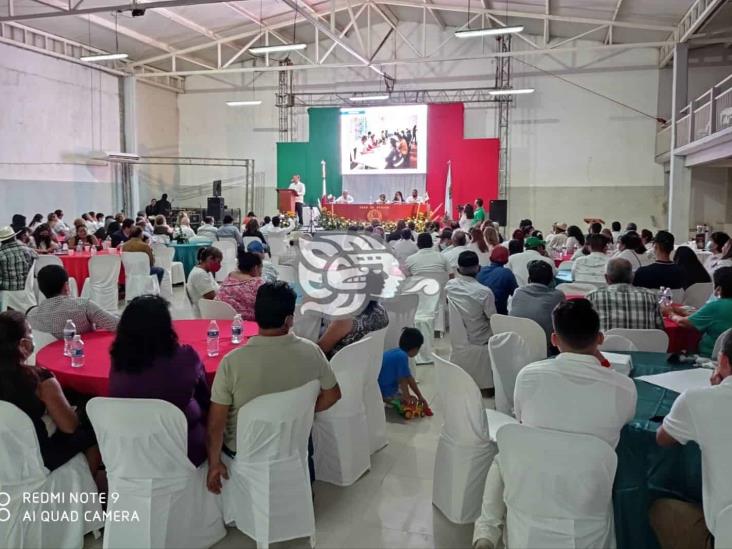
[123, 234]
[632, 250]
[271, 362]
[426, 261]
[208, 229]
[558, 239]
[184, 226]
[663, 272]
[16, 260]
[615, 230]
[18, 223]
[252, 231]
[518, 263]
[620, 305]
[491, 237]
[473, 300]
[404, 247]
[717, 241]
[459, 245]
[692, 269]
[37, 220]
[479, 246]
[467, 219]
[229, 230]
[38, 393]
[515, 246]
[44, 241]
[148, 362]
[498, 278]
[591, 268]
[607, 233]
[266, 225]
[595, 228]
[575, 239]
[276, 230]
[395, 378]
[51, 315]
[83, 237]
[201, 282]
[396, 234]
[239, 289]
[135, 243]
[537, 299]
[161, 227]
[715, 316]
[445, 239]
[269, 271]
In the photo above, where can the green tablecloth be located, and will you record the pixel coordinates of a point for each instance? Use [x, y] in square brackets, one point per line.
[646, 471]
[187, 254]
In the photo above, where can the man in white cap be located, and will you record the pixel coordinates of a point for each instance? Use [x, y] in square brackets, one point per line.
[15, 261]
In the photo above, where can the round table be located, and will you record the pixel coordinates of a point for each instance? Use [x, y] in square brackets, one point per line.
[77, 265]
[188, 254]
[93, 377]
[559, 260]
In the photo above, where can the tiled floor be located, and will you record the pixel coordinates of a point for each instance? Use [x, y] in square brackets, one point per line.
[391, 505]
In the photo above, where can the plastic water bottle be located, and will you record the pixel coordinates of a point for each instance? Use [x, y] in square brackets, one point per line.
[79, 247]
[69, 333]
[236, 330]
[212, 341]
[77, 352]
[668, 298]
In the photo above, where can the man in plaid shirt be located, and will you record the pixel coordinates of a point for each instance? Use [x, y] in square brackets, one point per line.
[15, 261]
[621, 305]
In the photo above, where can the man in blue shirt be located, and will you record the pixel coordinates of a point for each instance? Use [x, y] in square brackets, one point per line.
[395, 379]
[498, 278]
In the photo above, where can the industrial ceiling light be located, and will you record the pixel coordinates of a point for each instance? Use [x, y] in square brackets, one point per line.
[382, 97]
[104, 57]
[496, 31]
[508, 91]
[116, 155]
[259, 50]
[250, 103]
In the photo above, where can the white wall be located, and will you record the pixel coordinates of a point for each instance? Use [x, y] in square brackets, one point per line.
[54, 116]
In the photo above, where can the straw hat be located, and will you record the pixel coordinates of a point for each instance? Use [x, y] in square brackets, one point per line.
[6, 233]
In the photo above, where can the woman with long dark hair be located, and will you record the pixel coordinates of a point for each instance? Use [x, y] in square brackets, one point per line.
[694, 271]
[252, 229]
[575, 238]
[480, 246]
[630, 247]
[467, 219]
[148, 362]
[43, 239]
[37, 392]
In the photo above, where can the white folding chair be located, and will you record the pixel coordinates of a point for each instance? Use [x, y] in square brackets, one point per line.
[22, 471]
[268, 493]
[428, 309]
[341, 433]
[698, 294]
[277, 245]
[718, 344]
[307, 325]
[565, 266]
[532, 334]
[138, 280]
[509, 353]
[401, 309]
[287, 273]
[216, 310]
[474, 359]
[464, 450]
[101, 286]
[50, 259]
[40, 340]
[576, 288]
[652, 341]
[20, 300]
[143, 444]
[228, 249]
[374, 402]
[614, 343]
[557, 488]
[246, 240]
[164, 259]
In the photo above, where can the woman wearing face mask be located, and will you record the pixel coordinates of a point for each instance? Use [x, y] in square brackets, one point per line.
[36, 392]
[201, 283]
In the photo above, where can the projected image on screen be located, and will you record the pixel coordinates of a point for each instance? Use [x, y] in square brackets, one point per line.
[384, 139]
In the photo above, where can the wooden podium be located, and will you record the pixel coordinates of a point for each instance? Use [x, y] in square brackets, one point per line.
[286, 200]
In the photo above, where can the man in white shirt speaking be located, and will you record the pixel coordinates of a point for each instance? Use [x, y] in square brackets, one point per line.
[576, 392]
[700, 415]
[299, 187]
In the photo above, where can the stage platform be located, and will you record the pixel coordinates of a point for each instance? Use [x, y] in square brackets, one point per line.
[381, 212]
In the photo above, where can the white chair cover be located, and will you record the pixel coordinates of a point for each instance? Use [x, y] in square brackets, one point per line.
[614, 343]
[101, 286]
[50, 259]
[374, 402]
[474, 359]
[40, 340]
[307, 325]
[557, 488]
[268, 493]
[229, 262]
[565, 266]
[216, 310]
[576, 288]
[286, 273]
[723, 528]
[718, 344]
[246, 240]
[509, 354]
[532, 334]
[138, 280]
[428, 309]
[164, 259]
[653, 341]
[464, 450]
[22, 471]
[698, 294]
[20, 300]
[401, 309]
[341, 433]
[143, 444]
[277, 245]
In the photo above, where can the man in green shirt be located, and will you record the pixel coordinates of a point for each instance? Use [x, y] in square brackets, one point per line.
[271, 362]
[479, 213]
[715, 316]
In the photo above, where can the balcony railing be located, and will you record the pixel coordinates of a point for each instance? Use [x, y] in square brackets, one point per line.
[707, 114]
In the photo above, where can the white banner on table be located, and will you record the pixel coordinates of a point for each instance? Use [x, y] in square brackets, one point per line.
[681, 380]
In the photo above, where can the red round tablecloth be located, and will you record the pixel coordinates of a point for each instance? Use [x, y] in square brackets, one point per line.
[93, 377]
[558, 260]
[681, 338]
[77, 265]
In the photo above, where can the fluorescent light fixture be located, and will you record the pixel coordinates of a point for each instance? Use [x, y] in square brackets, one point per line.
[274, 49]
[496, 31]
[517, 91]
[104, 57]
[244, 103]
[369, 98]
[122, 155]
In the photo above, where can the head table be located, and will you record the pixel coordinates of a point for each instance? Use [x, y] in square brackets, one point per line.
[93, 377]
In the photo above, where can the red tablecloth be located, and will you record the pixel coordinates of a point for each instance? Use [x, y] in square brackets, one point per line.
[77, 265]
[93, 377]
[558, 260]
[681, 338]
[382, 212]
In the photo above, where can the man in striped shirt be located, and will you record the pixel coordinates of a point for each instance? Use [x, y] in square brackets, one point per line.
[15, 261]
[621, 305]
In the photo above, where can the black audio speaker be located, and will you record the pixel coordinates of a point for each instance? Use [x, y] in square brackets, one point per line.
[217, 187]
[215, 207]
[498, 211]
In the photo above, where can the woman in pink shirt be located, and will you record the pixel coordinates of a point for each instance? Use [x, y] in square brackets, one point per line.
[239, 289]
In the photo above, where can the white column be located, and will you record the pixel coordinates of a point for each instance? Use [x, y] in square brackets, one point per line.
[679, 186]
[130, 144]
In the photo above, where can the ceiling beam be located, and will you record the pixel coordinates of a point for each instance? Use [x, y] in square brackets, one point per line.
[694, 18]
[435, 15]
[185, 22]
[547, 34]
[609, 35]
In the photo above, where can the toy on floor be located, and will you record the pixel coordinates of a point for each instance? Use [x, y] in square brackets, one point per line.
[411, 409]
